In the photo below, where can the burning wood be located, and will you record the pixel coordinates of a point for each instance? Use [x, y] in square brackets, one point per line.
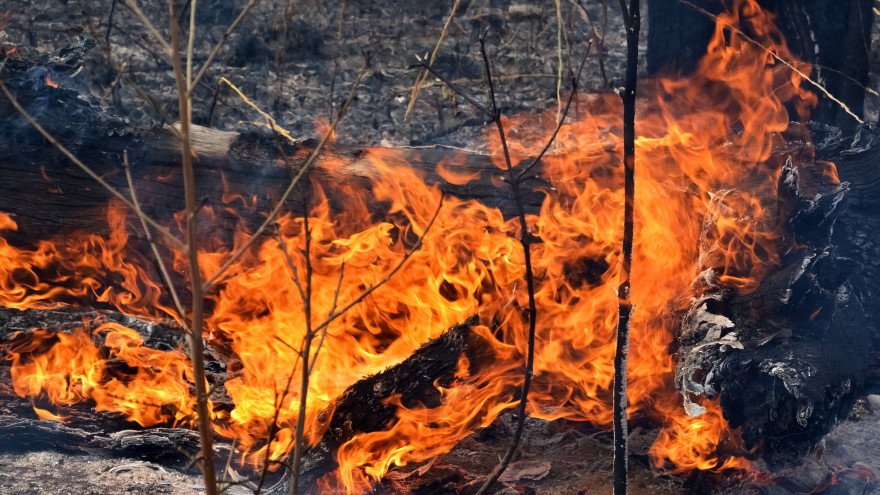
[745, 259]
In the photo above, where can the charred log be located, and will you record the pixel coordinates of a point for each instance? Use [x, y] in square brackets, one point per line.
[788, 359]
[362, 408]
[46, 194]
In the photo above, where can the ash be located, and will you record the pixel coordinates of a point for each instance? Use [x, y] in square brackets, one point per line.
[303, 76]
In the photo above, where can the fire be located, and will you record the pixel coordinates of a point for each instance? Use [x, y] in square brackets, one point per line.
[702, 165]
[70, 368]
[49, 81]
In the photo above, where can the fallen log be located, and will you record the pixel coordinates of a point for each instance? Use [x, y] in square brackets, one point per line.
[47, 194]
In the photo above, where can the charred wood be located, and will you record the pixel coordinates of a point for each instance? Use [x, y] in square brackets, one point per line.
[362, 408]
[46, 194]
[788, 359]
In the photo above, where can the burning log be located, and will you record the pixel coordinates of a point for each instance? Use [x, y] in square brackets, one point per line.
[362, 408]
[789, 357]
[248, 167]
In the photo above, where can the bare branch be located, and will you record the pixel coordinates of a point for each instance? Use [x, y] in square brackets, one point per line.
[329, 313]
[495, 114]
[624, 304]
[197, 350]
[189, 49]
[525, 240]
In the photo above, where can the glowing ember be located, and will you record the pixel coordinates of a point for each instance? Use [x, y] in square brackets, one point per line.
[700, 137]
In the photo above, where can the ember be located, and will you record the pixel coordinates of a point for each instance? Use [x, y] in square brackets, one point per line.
[388, 262]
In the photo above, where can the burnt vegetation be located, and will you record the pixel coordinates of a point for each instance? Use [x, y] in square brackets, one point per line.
[208, 261]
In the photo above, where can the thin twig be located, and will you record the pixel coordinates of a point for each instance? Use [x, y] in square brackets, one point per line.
[332, 309]
[197, 350]
[163, 270]
[223, 483]
[417, 87]
[189, 49]
[626, 16]
[453, 87]
[559, 64]
[525, 240]
[110, 22]
[299, 431]
[291, 265]
[274, 213]
[273, 124]
[273, 428]
[574, 85]
[220, 44]
[85, 168]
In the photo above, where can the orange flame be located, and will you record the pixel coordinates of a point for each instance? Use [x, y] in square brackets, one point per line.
[152, 388]
[703, 164]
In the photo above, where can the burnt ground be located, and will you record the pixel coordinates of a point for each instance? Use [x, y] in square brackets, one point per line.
[554, 459]
[301, 77]
[304, 75]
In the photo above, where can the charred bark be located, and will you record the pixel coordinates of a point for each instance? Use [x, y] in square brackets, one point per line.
[46, 194]
[788, 359]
